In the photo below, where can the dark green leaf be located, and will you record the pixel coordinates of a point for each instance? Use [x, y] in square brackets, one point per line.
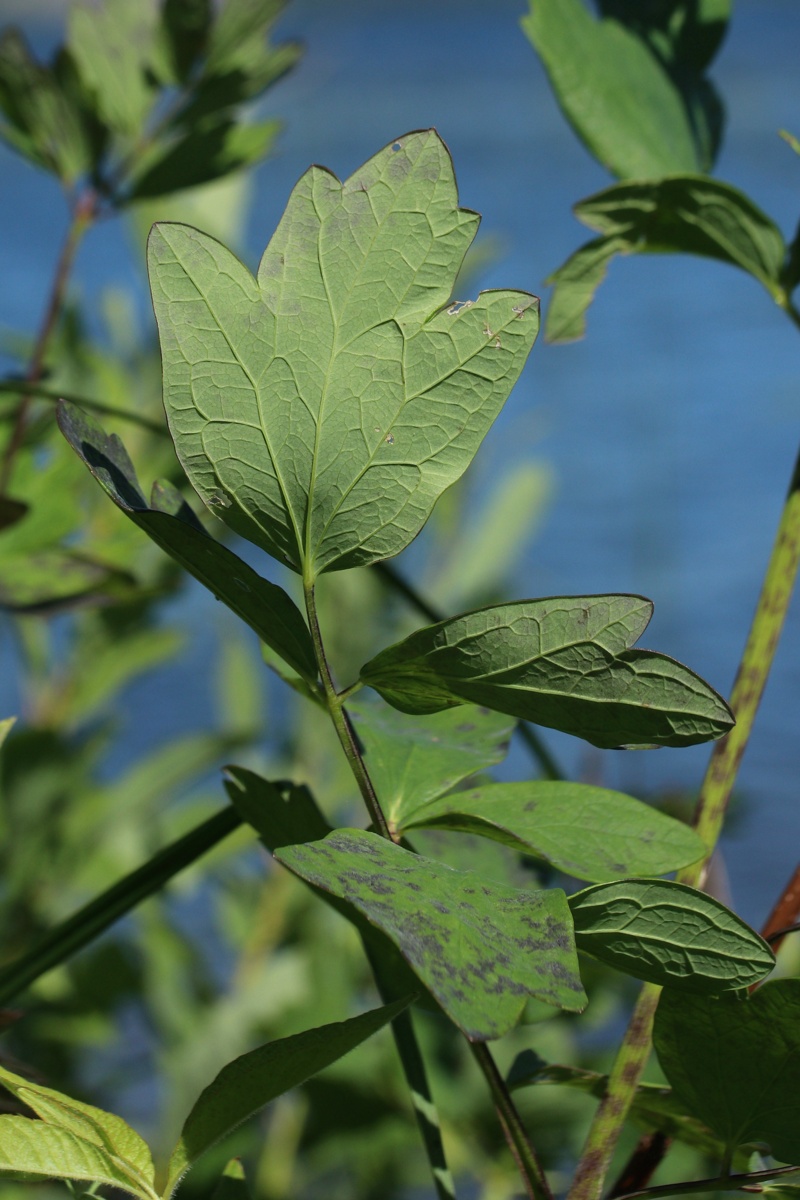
[412, 761]
[89, 922]
[575, 284]
[328, 440]
[480, 948]
[239, 25]
[564, 662]
[589, 832]
[232, 1184]
[690, 214]
[669, 933]
[282, 814]
[210, 149]
[614, 91]
[248, 1083]
[186, 24]
[263, 606]
[735, 1063]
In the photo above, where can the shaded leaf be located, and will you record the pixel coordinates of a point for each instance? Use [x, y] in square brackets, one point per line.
[41, 1151]
[690, 214]
[232, 1184]
[282, 814]
[89, 922]
[653, 1108]
[589, 832]
[480, 948]
[50, 578]
[614, 91]
[734, 1063]
[208, 150]
[238, 25]
[327, 440]
[185, 27]
[6, 725]
[412, 761]
[564, 662]
[11, 511]
[264, 606]
[251, 1081]
[575, 284]
[669, 933]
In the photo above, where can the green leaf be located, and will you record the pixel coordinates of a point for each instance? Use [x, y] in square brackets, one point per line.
[653, 1108]
[41, 1151]
[55, 578]
[84, 926]
[589, 832]
[6, 725]
[564, 662]
[575, 284]
[232, 1184]
[324, 407]
[480, 948]
[239, 23]
[263, 606]
[412, 761]
[614, 91]
[251, 1081]
[669, 933]
[208, 150]
[734, 1063]
[690, 214]
[282, 814]
[113, 45]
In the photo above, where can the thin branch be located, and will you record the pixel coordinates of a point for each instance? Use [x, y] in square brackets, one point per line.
[106, 410]
[720, 1183]
[82, 217]
[547, 763]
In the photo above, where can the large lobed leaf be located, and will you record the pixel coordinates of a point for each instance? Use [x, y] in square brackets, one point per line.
[325, 405]
[480, 948]
[564, 662]
[592, 833]
[264, 606]
[735, 1063]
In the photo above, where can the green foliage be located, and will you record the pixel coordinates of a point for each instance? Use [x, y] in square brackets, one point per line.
[733, 1063]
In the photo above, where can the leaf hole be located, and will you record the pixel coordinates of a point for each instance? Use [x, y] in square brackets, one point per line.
[396, 146]
[389, 439]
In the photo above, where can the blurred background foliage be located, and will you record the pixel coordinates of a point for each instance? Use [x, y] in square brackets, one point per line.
[232, 953]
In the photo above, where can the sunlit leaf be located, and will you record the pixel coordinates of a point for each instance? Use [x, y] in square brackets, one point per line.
[41, 1151]
[564, 662]
[589, 832]
[264, 606]
[735, 1063]
[479, 947]
[412, 761]
[112, 44]
[251, 1081]
[324, 406]
[669, 933]
[614, 91]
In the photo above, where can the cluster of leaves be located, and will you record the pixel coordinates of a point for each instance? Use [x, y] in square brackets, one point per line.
[144, 99]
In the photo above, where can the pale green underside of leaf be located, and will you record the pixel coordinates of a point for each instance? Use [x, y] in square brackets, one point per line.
[92, 1124]
[613, 91]
[324, 406]
[563, 662]
[248, 1083]
[589, 832]
[480, 948]
[668, 933]
[412, 761]
[735, 1063]
[43, 1151]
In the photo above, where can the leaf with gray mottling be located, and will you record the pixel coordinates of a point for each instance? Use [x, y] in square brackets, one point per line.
[669, 933]
[590, 832]
[480, 948]
[324, 406]
[564, 661]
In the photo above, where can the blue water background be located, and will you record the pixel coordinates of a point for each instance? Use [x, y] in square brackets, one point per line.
[671, 429]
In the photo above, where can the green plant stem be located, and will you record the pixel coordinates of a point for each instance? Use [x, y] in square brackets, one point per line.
[530, 1169]
[721, 1183]
[547, 763]
[106, 410]
[408, 1048]
[712, 802]
[83, 216]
